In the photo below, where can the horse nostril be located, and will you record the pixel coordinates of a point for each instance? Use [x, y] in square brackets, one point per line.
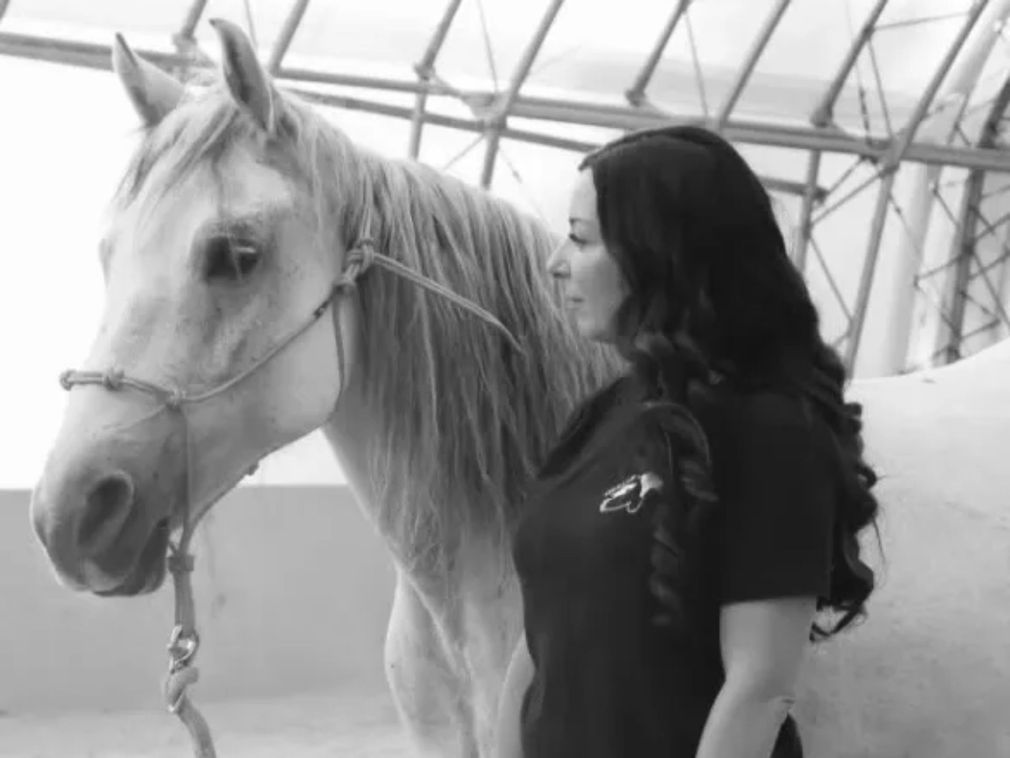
[106, 510]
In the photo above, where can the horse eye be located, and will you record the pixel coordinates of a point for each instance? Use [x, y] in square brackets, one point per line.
[229, 258]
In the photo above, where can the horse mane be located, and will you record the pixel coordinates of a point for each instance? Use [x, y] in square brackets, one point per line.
[460, 421]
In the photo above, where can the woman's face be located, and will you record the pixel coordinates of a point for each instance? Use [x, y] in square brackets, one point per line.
[591, 281]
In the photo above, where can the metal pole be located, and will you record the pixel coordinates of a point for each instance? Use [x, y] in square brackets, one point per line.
[450, 122]
[522, 135]
[624, 117]
[805, 228]
[817, 192]
[363, 81]
[910, 316]
[291, 22]
[493, 141]
[424, 73]
[185, 43]
[821, 117]
[497, 122]
[753, 56]
[855, 330]
[756, 133]
[967, 234]
[1000, 332]
[824, 113]
[184, 37]
[892, 162]
[636, 93]
[963, 252]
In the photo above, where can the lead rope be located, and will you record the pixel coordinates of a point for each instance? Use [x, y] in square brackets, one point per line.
[364, 256]
[184, 641]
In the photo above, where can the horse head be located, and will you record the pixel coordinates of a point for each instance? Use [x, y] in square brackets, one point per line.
[213, 259]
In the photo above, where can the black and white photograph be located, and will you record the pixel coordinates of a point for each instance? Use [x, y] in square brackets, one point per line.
[505, 379]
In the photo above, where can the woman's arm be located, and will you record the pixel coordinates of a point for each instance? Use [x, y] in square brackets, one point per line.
[763, 644]
[517, 680]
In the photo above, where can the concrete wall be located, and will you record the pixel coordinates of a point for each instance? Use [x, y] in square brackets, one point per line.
[293, 592]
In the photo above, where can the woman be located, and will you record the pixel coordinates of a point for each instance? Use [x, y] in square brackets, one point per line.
[699, 513]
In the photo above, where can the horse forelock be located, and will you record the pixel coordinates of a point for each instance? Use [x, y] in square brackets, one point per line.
[459, 421]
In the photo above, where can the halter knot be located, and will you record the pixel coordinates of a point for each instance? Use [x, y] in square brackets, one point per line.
[359, 259]
[180, 563]
[182, 647]
[113, 379]
[174, 400]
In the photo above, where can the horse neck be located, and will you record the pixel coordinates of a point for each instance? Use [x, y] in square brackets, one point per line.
[446, 428]
[351, 432]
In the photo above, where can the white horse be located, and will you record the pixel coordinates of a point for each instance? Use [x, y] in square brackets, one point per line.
[928, 673]
[241, 209]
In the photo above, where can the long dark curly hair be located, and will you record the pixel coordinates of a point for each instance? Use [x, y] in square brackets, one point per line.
[714, 293]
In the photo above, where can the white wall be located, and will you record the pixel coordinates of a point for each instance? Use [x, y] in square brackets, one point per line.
[293, 590]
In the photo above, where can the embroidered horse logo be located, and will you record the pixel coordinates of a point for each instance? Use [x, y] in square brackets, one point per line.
[630, 494]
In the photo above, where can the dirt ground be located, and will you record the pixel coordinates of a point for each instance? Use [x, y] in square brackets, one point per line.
[329, 725]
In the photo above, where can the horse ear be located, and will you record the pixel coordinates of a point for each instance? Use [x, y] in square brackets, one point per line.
[152, 91]
[246, 78]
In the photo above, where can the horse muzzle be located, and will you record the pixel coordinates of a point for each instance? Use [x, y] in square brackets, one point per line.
[104, 503]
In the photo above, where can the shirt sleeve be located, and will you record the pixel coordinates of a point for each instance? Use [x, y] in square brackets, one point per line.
[777, 500]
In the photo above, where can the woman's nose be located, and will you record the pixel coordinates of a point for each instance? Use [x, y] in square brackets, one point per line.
[556, 263]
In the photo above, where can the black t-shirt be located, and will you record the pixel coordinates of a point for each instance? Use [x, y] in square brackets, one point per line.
[608, 683]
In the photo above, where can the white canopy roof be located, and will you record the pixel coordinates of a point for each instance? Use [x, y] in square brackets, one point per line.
[878, 124]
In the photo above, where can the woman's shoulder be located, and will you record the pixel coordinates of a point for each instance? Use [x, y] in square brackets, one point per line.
[768, 430]
[760, 425]
[755, 410]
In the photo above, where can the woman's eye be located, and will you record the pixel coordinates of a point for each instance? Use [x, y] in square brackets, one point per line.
[577, 241]
[228, 258]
